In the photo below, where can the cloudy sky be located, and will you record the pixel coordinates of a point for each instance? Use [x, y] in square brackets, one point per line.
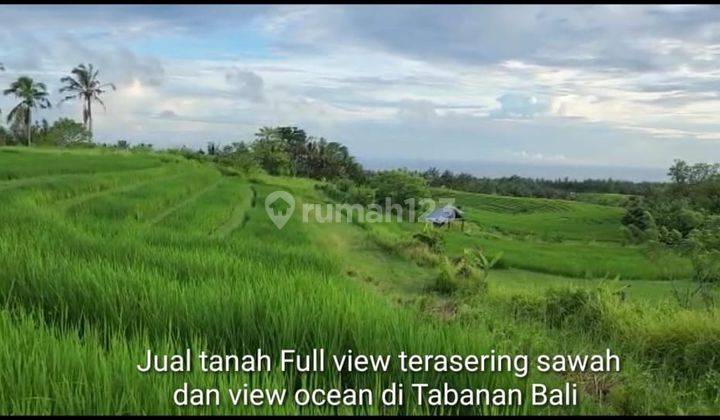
[556, 85]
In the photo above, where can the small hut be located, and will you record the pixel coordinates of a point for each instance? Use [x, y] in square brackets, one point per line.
[444, 216]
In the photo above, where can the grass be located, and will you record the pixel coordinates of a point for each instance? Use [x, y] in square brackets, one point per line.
[513, 281]
[106, 255]
[89, 286]
[553, 220]
[603, 199]
[19, 163]
[578, 259]
[562, 237]
[583, 260]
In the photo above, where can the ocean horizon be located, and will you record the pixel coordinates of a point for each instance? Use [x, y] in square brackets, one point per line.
[493, 169]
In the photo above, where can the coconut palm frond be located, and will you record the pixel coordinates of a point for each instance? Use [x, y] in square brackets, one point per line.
[31, 95]
[86, 88]
[97, 99]
[16, 113]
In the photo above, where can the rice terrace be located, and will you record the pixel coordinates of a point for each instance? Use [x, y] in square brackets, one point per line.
[105, 251]
[194, 220]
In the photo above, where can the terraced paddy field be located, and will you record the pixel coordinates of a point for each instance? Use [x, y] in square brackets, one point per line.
[104, 255]
[566, 238]
[549, 220]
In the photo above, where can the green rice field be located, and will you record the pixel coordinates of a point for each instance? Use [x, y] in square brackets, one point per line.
[105, 254]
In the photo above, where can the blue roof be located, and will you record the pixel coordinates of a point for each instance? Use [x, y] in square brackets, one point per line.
[444, 214]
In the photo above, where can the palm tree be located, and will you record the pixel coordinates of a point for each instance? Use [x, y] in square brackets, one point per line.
[32, 95]
[86, 87]
[2, 68]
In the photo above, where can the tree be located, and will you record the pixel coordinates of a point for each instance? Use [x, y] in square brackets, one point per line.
[66, 132]
[297, 145]
[212, 148]
[5, 136]
[86, 87]
[238, 157]
[327, 159]
[32, 95]
[636, 214]
[432, 175]
[400, 187]
[271, 153]
[292, 141]
[290, 150]
[679, 172]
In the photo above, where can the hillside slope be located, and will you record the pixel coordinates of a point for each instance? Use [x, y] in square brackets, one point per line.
[107, 254]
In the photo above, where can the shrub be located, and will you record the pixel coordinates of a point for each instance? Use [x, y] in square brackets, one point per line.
[635, 215]
[240, 162]
[345, 191]
[526, 306]
[402, 188]
[423, 256]
[570, 306]
[706, 237]
[386, 240]
[467, 272]
[670, 237]
[362, 195]
[706, 267]
[63, 132]
[706, 272]
[431, 238]
[687, 344]
[596, 311]
[445, 281]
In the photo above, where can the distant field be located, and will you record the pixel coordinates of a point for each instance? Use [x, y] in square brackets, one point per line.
[580, 259]
[603, 199]
[522, 281]
[542, 218]
[503, 204]
[558, 237]
[17, 163]
[561, 237]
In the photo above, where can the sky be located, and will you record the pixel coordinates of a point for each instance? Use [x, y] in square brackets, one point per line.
[562, 86]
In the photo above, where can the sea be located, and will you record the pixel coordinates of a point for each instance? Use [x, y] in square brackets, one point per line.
[531, 170]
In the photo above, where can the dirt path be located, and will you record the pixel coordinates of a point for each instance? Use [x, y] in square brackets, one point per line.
[239, 217]
[72, 201]
[160, 217]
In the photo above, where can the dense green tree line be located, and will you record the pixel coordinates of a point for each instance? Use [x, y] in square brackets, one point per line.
[290, 151]
[671, 212]
[532, 187]
[683, 214]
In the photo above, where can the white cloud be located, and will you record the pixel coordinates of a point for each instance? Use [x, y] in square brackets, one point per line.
[514, 105]
[576, 84]
[246, 84]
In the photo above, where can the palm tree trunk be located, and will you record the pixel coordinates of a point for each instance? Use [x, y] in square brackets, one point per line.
[89, 117]
[28, 118]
